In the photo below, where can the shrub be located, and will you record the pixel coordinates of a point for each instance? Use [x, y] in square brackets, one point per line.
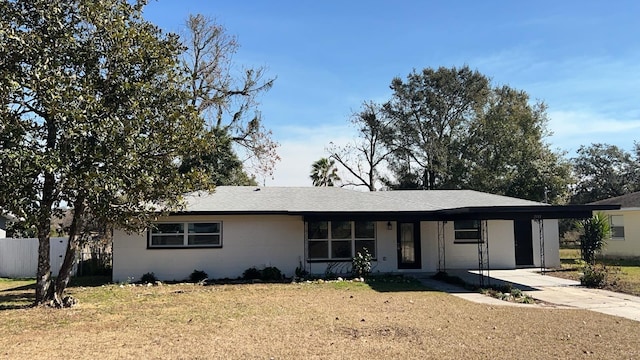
[594, 276]
[271, 273]
[148, 278]
[198, 275]
[301, 272]
[361, 263]
[593, 234]
[251, 274]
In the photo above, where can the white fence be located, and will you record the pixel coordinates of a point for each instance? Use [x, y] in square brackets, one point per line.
[19, 257]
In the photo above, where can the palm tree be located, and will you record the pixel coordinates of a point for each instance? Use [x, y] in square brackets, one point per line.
[324, 172]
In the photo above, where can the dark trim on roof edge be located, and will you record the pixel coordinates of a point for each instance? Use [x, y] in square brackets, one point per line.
[480, 212]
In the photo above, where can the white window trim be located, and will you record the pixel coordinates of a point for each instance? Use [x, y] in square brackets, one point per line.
[352, 239]
[185, 235]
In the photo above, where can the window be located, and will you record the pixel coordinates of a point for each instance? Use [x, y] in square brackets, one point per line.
[616, 222]
[186, 234]
[340, 240]
[467, 231]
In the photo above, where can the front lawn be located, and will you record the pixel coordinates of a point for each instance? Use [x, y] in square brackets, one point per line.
[626, 272]
[302, 321]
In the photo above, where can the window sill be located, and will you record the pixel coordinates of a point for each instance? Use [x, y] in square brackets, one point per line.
[184, 247]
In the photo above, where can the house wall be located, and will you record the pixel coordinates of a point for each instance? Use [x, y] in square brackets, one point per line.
[260, 241]
[247, 240]
[551, 243]
[500, 243]
[630, 246]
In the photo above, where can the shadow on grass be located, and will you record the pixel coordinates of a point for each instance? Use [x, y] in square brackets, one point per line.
[395, 283]
[18, 300]
[90, 281]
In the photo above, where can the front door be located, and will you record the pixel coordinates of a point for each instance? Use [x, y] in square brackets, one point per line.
[409, 245]
[523, 242]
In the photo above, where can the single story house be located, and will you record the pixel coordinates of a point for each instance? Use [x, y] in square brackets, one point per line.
[625, 225]
[320, 229]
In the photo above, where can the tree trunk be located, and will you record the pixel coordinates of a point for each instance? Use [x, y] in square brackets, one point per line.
[43, 276]
[43, 273]
[70, 256]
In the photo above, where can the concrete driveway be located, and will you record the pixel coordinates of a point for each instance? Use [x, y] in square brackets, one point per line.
[549, 289]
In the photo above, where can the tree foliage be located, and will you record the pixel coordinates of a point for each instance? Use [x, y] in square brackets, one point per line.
[94, 116]
[226, 97]
[604, 171]
[432, 112]
[449, 128]
[367, 154]
[324, 172]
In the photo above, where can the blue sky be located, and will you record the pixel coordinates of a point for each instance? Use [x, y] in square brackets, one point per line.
[582, 58]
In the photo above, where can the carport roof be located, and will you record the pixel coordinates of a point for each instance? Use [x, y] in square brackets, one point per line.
[343, 203]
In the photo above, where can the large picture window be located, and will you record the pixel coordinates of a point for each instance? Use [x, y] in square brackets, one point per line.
[340, 240]
[467, 231]
[186, 234]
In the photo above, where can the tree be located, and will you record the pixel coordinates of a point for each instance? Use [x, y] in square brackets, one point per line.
[432, 111]
[221, 163]
[505, 152]
[324, 173]
[364, 157]
[593, 234]
[453, 130]
[94, 115]
[604, 171]
[228, 102]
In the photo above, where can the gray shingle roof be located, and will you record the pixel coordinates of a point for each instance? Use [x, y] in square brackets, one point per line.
[631, 200]
[332, 199]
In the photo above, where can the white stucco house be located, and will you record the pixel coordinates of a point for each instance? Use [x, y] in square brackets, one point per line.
[225, 232]
[625, 225]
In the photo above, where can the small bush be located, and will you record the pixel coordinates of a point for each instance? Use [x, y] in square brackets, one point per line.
[594, 276]
[361, 264]
[198, 275]
[301, 272]
[251, 274]
[148, 278]
[271, 273]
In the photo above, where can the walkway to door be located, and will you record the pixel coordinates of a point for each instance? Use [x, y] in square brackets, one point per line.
[548, 289]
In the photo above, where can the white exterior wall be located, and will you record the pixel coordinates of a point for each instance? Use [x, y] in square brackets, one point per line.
[247, 241]
[500, 242]
[551, 243]
[260, 241]
[630, 246]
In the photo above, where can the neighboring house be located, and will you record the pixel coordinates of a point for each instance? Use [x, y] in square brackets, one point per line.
[625, 225]
[4, 219]
[321, 228]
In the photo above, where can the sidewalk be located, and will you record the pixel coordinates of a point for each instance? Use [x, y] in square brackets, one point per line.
[550, 289]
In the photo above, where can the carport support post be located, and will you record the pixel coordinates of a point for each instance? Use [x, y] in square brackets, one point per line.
[540, 222]
[442, 265]
[483, 253]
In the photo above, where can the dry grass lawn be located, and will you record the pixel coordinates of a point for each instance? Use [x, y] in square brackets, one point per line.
[300, 321]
